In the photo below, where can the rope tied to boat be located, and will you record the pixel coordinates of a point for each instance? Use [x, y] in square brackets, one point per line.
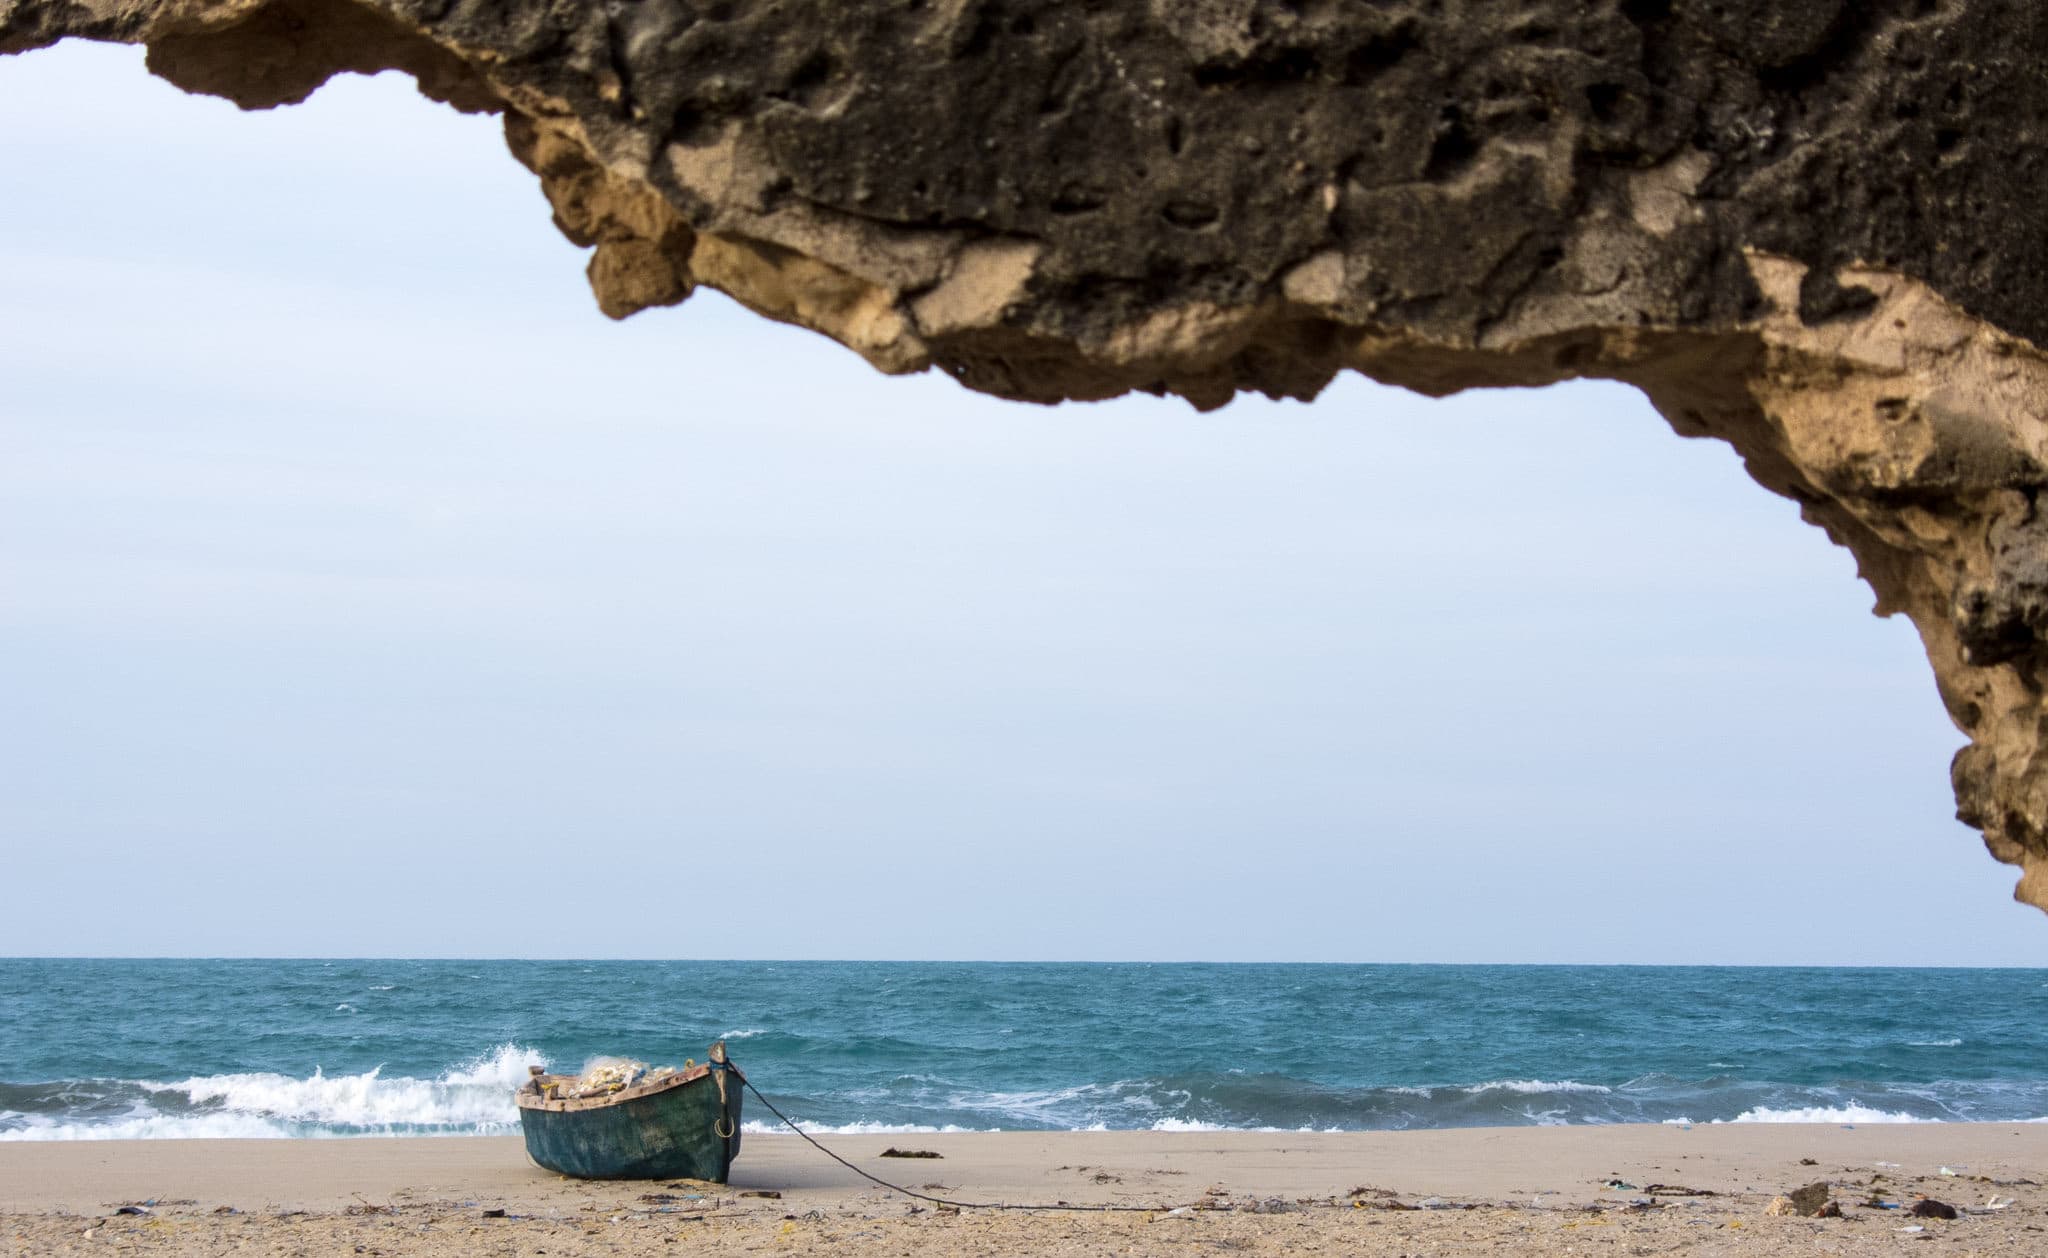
[943, 1201]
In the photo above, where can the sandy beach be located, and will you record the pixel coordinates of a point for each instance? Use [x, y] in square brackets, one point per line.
[1621, 1189]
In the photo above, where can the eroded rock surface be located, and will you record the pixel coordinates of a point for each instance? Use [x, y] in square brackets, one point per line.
[1817, 229]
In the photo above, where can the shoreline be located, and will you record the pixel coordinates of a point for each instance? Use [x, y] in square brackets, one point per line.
[1456, 1190]
[1555, 1166]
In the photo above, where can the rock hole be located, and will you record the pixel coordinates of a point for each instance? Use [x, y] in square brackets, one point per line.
[1079, 199]
[1454, 147]
[1282, 65]
[1644, 12]
[1377, 55]
[980, 36]
[813, 73]
[684, 122]
[1605, 99]
[1176, 136]
[1191, 215]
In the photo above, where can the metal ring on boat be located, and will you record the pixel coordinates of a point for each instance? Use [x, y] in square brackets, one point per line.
[729, 1128]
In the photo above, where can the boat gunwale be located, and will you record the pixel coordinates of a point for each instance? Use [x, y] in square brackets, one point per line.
[527, 1098]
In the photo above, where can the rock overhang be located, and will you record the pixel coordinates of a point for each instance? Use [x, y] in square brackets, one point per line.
[1814, 230]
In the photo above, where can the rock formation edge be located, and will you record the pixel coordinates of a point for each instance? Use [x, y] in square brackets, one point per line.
[1814, 231]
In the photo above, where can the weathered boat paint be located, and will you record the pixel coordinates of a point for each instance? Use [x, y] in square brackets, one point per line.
[684, 1126]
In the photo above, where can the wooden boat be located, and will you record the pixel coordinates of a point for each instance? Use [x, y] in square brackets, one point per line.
[684, 1125]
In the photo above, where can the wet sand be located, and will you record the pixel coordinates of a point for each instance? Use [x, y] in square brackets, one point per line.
[1479, 1190]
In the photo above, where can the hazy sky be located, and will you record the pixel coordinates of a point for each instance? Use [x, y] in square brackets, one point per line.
[363, 591]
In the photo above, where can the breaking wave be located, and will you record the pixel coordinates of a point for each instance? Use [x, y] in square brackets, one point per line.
[471, 1099]
[1828, 1114]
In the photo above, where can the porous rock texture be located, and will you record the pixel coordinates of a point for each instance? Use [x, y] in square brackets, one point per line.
[1816, 229]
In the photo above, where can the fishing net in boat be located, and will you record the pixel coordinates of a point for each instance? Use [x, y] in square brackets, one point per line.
[607, 1075]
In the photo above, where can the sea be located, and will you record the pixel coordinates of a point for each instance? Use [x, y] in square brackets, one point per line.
[122, 1049]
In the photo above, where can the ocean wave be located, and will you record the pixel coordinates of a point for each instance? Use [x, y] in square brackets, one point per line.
[1851, 1113]
[475, 1098]
[472, 1099]
[770, 1127]
[1534, 1087]
[230, 1046]
[1224, 1101]
[38, 1127]
[1197, 1125]
[507, 1066]
[1039, 1105]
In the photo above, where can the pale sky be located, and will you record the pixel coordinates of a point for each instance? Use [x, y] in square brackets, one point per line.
[363, 591]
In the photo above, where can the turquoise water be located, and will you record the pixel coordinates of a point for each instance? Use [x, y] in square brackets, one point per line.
[322, 1048]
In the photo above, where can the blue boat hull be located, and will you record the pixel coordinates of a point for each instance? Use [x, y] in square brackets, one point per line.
[689, 1129]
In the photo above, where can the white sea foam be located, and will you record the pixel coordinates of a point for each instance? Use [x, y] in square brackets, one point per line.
[152, 1127]
[1197, 1125]
[473, 1099]
[1851, 1113]
[1533, 1087]
[1033, 1104]
[771, 1126]
[746, 1034]
[1934, 1043]
[507, 1066]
